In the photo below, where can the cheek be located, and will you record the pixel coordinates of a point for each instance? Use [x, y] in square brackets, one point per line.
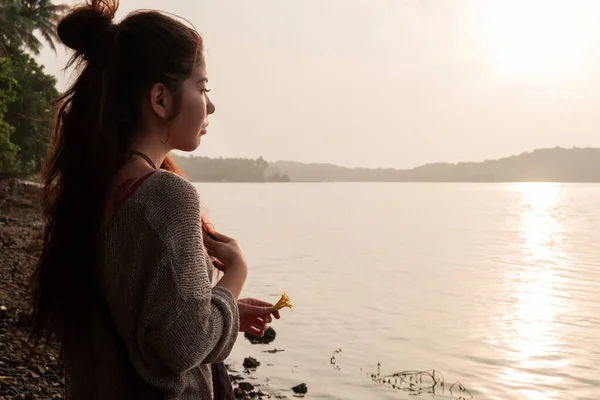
[193, 112]
[198, 107]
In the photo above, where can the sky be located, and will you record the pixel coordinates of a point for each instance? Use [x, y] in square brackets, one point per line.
[392, 83]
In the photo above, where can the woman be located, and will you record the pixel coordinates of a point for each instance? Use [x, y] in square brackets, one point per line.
[124, 278]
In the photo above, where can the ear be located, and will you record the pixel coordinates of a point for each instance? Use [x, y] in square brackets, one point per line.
[161, 101]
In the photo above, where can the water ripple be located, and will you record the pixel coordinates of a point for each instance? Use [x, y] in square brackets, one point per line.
[496, 285]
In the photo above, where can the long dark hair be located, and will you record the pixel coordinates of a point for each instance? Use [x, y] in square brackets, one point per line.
[98, 120]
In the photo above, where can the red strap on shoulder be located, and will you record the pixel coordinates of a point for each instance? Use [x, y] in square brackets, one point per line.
[134, 186]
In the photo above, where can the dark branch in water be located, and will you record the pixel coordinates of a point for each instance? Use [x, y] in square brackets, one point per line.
[413, 381]
[420, 382]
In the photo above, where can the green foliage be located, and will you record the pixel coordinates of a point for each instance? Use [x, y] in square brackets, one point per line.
[26, 92]
[8, 150]
[30, 113]
[20, 20]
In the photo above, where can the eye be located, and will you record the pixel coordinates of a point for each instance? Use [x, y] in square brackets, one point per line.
[206, 90]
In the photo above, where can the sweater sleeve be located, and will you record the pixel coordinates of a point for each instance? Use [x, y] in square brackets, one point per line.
[187, 322]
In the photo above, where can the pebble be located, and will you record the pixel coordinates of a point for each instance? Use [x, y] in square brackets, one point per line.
[20, 228]
[267, 338]
[300, 389]
[251, 363]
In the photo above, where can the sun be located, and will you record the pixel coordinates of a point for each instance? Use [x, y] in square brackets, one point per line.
[537, 39]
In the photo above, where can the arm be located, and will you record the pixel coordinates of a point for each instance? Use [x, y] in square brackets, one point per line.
[188, 322]
[234, 280]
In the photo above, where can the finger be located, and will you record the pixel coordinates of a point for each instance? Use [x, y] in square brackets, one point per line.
[209, 232]
[261, 303]
[261, 323]
[221, 238]
[277, 315]
[208, 241]
[265, 312]
[258, 311]
[255, 331]
[218, 265]
[212, 246]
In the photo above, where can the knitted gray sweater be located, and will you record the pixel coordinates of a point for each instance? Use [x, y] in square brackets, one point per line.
[156, 278]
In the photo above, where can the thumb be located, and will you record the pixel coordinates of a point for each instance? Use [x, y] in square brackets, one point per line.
[262, 311]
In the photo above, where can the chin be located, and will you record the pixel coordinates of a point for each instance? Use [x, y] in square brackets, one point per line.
[189, 146]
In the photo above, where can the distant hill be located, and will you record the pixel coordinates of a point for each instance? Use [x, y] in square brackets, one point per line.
[205, 169]
[544, 165]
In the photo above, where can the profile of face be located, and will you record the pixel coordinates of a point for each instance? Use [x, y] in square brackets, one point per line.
[184, 131]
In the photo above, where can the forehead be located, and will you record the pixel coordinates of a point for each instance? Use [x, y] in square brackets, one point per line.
[200, 73]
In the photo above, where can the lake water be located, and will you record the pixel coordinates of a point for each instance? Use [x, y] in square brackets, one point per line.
[493, 285]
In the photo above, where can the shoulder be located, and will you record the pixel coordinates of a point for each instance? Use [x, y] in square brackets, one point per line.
[169, 201]
[165, 188]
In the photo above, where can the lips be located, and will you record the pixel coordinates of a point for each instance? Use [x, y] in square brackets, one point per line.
[203, 131]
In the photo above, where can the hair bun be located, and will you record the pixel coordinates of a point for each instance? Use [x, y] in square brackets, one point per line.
[87, 28]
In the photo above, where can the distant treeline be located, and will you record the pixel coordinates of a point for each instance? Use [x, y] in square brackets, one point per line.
[544, 165]
[205, 169]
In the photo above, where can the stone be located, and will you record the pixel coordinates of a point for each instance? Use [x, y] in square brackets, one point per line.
[25, 319]
[267, 338]
[32, 388]
[238, 393]
[251, 362]
[246, 386]
[300, 389]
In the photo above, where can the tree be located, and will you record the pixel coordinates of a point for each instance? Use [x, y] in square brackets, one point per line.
[30, 113]
[204, 169]
[25, 109]
[8, 150]
[20, 20]
[261, 164]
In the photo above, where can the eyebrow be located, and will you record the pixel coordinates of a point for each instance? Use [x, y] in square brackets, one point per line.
[202, 80]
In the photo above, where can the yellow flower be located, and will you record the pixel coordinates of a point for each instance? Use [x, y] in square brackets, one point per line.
[284, 301]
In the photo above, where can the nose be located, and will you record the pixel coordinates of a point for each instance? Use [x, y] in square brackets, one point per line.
[210, 106]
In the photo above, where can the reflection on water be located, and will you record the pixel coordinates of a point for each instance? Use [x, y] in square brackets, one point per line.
[531, 329]
[540, 226]
[494, 285]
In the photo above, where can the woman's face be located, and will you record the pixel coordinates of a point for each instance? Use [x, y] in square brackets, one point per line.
[191, 122]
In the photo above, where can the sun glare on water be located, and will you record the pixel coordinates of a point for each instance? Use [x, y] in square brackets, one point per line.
[531, 329]
[537, 39]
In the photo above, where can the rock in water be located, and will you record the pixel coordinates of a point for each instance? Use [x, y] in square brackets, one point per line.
[267, 338]
[238, 393]
[300, 389]
[251, 362]
[246, 386]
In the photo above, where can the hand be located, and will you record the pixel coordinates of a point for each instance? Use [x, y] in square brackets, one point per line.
[224, 251]
[255, 316]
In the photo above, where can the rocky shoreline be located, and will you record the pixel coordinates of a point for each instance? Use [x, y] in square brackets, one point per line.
[23, 375]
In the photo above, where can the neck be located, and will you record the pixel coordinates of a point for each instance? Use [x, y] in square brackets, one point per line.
[156, 155]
